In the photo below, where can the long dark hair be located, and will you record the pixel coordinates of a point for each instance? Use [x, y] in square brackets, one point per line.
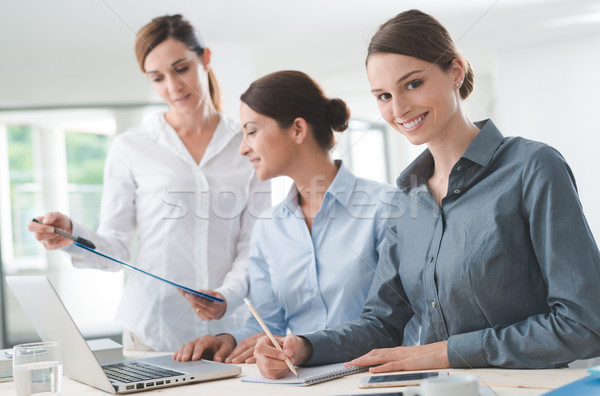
[419, 35]
[287, 95]
[180, 29]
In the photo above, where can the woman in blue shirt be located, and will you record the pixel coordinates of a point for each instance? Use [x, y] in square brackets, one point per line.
[494, 257]
[314, 255]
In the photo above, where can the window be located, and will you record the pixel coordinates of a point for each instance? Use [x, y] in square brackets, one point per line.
[356, 147]
[54, 162]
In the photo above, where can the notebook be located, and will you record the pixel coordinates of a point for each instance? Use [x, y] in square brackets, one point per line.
[52, 322]
[309, 375]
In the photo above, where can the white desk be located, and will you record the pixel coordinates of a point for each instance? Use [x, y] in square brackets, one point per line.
[503, 382]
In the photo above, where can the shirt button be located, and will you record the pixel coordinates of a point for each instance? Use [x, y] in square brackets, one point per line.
[431, 259]
[433, 304]
[457, 191]
[459, 168]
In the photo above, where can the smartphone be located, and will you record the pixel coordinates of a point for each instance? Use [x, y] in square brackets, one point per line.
[381, 381]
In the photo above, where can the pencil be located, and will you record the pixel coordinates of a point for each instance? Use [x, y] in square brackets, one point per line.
[269, 334]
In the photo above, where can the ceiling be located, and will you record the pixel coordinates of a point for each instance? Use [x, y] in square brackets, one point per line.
[73, 52]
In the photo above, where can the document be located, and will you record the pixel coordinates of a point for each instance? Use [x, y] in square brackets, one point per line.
[186, 289]
[309, 375]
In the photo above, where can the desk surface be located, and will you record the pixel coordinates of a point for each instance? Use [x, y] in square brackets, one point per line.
[503, 382]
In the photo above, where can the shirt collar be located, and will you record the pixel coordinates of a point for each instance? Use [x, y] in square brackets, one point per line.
[340, 189]
[480, 150]
[225, 131]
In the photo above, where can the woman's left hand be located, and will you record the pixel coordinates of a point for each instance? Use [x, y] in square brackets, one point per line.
[206, 309]
[421, 357]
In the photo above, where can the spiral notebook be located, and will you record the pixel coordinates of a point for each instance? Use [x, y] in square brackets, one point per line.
[309, 375]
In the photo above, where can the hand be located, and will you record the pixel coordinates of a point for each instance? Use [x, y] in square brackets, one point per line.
[206, 347]
[421, 357]
[244, 351]
[45, 232]
[270, 360]
[206, 309]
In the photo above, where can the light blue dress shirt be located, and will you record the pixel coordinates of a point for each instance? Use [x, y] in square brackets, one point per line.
[307, 282]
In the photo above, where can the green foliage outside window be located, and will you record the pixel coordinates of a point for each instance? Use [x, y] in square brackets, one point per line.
[86, 153]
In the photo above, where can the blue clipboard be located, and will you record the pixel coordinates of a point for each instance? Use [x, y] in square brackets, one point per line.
[187, 289]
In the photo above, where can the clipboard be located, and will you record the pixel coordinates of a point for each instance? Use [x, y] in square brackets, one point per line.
[186, 289]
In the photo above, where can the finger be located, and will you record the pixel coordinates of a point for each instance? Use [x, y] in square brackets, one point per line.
[56, 219]
[199, 302]
[178, 353]
[290, 345]
[391, 366]
[369, 359]
[39, 228]
[195, 350]
[242, 354]
[266, 349]
[221, 352]
[250, 360]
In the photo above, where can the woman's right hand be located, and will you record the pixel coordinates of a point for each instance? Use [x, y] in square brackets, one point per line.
[45, 232]
[212, 347]
[271, 361]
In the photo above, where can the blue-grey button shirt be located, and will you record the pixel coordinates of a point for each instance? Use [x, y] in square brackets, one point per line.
[506, 269]
[308, 281]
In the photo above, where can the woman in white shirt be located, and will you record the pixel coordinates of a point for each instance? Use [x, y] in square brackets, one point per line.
[178, 181]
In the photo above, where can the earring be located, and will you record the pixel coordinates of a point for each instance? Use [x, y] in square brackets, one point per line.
[458, 84]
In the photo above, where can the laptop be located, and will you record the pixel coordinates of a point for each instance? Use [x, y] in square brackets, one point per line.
[52, 321]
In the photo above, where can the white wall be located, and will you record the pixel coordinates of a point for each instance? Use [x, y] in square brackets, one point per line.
[551, 92]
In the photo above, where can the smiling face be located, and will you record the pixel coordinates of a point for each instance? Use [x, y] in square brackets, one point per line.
[178, 75]
[417, 98]
[270, 148]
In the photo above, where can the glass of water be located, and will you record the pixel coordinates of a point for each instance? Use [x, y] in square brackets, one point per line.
[37, 368]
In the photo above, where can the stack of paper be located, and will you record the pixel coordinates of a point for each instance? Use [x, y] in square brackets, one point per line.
[5, 365]
[106, 350]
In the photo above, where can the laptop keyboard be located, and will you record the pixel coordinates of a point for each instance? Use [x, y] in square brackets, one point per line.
[136, 372]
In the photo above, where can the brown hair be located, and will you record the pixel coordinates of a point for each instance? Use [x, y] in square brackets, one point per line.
[419, 35]
[180, 29]
[287, 95]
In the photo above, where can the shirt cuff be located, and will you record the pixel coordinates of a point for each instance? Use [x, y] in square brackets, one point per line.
[72, 249]
[233, 298]
[466, 350]
[321, 352]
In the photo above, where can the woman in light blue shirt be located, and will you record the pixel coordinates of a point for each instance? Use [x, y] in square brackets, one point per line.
[314, 255]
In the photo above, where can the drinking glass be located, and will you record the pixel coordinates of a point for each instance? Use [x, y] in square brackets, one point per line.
[37, 368]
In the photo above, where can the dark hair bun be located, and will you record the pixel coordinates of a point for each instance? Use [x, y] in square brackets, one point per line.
[338, 114]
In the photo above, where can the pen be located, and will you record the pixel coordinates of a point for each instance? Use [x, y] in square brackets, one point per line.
[84, 242]
[269, 334]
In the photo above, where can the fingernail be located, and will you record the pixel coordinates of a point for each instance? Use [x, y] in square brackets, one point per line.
[49, 229]
[282, 356]
[287, 352]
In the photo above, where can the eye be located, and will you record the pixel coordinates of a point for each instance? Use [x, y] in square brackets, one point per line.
[182, 70]
[252, 132]
[384, 97]
[157, 79]
[414, 84]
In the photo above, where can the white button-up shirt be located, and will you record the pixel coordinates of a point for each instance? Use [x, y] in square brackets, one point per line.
[193, 224]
